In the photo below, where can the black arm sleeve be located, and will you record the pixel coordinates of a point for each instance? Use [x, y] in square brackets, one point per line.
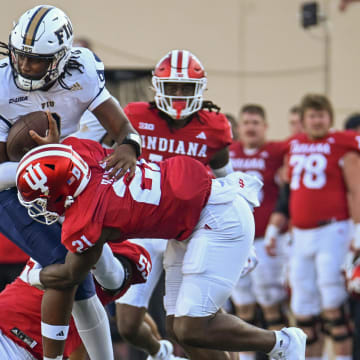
[282, 203]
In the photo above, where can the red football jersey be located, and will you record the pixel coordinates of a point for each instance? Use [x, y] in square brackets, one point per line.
[162, 200]
[20, 314]
[207, 133]
[263, 163]
[10, 253]
[318, 191]
[20, 303]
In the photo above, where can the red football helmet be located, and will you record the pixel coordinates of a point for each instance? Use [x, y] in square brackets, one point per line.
[179, 66]
[48, 179]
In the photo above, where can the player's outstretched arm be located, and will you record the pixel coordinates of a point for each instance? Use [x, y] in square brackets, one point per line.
[60, 281]
[114, 120]
[73, 271]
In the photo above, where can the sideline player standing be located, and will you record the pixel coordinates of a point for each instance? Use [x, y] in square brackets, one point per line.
[178, 122]
[254, 155]
[43, 72]
[323, 168]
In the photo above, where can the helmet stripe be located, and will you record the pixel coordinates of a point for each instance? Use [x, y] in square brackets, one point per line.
[179, 64]
[185, 63]
[34, 24]
[173, 57]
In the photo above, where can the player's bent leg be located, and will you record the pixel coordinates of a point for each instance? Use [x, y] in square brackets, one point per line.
[131, 326]
[192, 352]
[336, 324]
[131, 308]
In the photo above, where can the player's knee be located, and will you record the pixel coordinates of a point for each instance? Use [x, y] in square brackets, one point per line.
[169, 327]
[129, 320]
[189, 331]
[311, 327]
[336, 323]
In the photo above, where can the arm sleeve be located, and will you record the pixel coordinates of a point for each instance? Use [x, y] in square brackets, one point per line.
[282, 203]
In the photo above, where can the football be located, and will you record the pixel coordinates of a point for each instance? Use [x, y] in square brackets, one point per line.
[19, 141]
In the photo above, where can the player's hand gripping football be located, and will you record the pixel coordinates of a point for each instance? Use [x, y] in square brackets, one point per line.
[52, 135]
[120, 161]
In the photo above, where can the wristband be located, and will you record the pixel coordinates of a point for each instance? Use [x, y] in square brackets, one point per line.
[54, 332]
[134, 140]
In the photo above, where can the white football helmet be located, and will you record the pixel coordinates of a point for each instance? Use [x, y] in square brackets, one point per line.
[179, 66]
[45, 33]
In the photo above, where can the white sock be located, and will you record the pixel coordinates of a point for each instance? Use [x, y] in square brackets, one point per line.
[282, 341]
[166, 348]
[93, 327]
[108, 271]
[57, 358]
[343, 357]
[247, 356]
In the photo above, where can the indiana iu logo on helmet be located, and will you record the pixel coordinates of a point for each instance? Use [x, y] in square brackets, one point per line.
[36, 180]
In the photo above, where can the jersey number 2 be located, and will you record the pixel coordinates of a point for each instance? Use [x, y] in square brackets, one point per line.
[144, 187]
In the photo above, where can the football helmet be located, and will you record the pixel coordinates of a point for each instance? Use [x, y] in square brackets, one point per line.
[48, 179]
[43, 33]
[179, 66]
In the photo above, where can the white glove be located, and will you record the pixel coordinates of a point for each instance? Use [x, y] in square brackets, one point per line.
[250, 263]
[33, 275]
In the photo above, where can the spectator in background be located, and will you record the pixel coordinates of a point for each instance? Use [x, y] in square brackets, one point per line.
[295, 125]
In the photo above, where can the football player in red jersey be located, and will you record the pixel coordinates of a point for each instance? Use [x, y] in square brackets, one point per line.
[255, 156]
[178, 122]
[20, 309]
[174, 199]
[323, 167]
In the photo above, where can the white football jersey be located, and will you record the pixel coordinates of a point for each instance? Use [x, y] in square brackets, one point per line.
[87, 91]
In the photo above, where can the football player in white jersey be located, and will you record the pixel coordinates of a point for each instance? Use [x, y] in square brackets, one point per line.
[42, 71]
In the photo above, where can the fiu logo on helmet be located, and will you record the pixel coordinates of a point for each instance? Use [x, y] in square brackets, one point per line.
[36, 180]
[67, 29]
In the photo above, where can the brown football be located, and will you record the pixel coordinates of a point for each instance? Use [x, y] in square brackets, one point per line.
[19, 141]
